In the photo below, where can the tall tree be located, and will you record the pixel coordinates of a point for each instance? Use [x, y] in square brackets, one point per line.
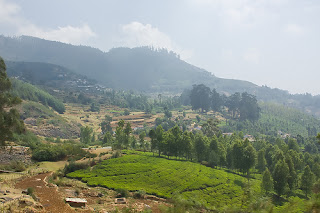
[249, 108]
[307, 180]
[106, 124]
[249, 158]
[280, 177]
[216, 101]
[233, 103]
[200, 97]
[210, 128]
[261, 166]
[142, 135]
[10, 121]
[267, 182]
[86, 134]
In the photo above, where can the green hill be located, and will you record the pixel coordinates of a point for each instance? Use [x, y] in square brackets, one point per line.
[212, 188]
[277, 119]
[30, 92]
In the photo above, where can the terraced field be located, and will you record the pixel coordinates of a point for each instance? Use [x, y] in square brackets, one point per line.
[212, 188]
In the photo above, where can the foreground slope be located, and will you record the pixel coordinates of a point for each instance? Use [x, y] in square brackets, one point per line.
[212, 188]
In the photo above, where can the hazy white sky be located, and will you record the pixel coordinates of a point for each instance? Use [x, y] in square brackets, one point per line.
[268, 42]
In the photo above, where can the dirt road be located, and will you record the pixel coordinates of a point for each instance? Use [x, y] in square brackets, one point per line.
[49, 197]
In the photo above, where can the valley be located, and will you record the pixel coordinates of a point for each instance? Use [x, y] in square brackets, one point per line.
[165, 137]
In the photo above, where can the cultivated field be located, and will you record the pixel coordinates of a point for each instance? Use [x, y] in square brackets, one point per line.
[141, 171]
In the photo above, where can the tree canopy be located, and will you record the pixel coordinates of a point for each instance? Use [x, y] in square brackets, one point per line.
[10, 121]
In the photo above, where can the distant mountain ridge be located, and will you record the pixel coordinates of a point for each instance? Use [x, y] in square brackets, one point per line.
[142, 69]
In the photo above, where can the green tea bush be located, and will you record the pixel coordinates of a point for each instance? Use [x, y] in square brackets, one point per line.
[202, 185]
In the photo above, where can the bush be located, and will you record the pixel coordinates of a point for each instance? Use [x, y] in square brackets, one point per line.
[73, 166]
[140, 194]
[122, 193]
[116, 154]
[16, 166]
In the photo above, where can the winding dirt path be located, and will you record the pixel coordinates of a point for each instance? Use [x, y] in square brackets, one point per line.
[49, 197]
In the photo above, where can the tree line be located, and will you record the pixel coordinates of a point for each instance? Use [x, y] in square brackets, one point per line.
[242, 106]
[285, 165]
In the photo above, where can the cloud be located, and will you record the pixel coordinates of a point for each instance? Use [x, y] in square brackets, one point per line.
[8, 12]
[11, 19]
[252, 55]
[68, 34]
[294, 29]
[136, 34]
[237, 14]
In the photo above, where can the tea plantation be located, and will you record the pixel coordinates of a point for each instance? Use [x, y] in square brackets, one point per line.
[212, 188]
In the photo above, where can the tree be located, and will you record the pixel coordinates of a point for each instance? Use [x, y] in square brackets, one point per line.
[216, 101]
[280, 177]
[210, 128]
[141, 140]
[152, 135]
[249, 158]
[200, 97]
[10, 121]
[307, 180]
[107, 138]
[233, 103]
[261, 161]
[127, 132]
[86, 134]
[94, 107]
[106, 125]
[167, 112]
[159, 139]
[249, 108]
[267, 182]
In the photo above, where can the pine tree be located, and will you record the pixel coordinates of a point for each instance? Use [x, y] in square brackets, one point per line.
[10, 121]
[267, 182]
[280, 177]
[307, 180]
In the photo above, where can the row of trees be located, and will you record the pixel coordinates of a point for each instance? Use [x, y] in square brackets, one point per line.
[284, 166]
[242, 106]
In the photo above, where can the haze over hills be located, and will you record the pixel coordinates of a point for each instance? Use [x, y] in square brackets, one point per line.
[142, 69]
[152, 70]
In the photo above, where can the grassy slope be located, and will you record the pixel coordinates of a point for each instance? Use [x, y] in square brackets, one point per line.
[212, 188]
[47, 119]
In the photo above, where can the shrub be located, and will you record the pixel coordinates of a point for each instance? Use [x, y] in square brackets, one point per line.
[140, 194]
[73, 166]
[116, 154]
[122, 193]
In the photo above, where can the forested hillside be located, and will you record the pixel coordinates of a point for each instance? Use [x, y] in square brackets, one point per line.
[153, 70]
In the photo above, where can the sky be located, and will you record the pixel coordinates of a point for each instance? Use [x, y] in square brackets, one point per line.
[268, 42]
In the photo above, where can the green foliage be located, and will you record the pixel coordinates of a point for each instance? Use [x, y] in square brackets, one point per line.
[280, 177]
[307, 180]
[94, 107]
[277, 119]
[210, 187]
[48, 152]
[267, 182]
[16, 166]
[122, 193]
[30, 92]
[9, 117]
[73, 166]
[86, 134]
